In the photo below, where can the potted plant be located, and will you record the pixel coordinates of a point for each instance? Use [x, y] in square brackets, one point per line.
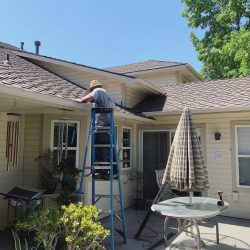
[69, 175]
[49, 171]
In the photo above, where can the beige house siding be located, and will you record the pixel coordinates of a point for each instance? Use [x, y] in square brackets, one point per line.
[33, 136]
[83, 78]
[159, 79]
[133, 97]
[222, 172]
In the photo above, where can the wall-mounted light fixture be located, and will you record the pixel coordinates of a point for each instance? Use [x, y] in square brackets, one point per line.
[217, 136]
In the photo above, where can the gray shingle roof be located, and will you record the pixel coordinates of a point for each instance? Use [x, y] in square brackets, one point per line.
[212, 95]
[8, 46]
[142, 66]
[24, 74]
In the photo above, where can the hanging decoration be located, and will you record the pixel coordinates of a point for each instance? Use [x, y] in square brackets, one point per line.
[12, 137]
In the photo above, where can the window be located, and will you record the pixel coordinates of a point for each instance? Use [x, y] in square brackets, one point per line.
[243, 155]
[65, 141]
[12, 140]
[126, 147]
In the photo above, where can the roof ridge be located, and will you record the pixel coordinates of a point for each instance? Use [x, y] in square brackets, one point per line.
[141, 62]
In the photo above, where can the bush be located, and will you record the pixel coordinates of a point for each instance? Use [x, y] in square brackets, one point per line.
[82, 231]
[45, 223]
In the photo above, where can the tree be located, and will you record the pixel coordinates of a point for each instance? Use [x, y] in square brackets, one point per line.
[225, 47]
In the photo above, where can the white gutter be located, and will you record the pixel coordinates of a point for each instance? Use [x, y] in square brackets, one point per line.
[193, 111]
[100, 72]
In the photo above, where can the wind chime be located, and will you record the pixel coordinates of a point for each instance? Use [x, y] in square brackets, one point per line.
[62, 140]
[12, 137]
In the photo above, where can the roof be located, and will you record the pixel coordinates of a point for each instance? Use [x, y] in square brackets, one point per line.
[212, 95]
[8, 46]
[143, 66]
[28, 76]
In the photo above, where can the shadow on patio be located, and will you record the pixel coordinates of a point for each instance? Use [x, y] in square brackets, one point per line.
[234, 233]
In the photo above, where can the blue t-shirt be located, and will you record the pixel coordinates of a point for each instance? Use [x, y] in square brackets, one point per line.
[102, 100]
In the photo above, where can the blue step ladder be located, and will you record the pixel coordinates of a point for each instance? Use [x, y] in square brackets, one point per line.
[108, 166]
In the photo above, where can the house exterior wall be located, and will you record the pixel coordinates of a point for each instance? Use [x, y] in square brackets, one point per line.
[33, 136]
[13, 177]
[159, 79]
[222, 172]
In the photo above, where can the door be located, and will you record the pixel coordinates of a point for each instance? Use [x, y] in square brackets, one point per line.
[156, 146]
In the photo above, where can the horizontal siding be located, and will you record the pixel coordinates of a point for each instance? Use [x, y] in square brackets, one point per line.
[133, 97]
[32, 149]
[161, 79]
[84, 79]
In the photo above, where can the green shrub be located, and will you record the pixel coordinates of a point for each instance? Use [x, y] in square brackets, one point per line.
[82, 231]
[45, 223]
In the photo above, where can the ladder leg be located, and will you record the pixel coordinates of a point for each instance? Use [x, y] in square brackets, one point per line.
[84, 161]
[119, 187]
[111, 182]
[93, 159]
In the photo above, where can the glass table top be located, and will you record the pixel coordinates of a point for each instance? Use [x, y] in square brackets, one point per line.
[202, 207]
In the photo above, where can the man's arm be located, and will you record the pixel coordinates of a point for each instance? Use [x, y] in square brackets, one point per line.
[86, 98]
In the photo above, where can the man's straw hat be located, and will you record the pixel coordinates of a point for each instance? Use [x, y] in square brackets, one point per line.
[93, 84]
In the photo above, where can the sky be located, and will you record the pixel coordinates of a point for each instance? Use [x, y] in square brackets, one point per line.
[100, 33]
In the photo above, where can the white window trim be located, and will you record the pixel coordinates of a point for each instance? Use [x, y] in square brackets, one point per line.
[237, 156]
[69, 148]
[130, 148]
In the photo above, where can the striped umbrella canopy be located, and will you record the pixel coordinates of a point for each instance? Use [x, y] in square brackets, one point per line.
[186, 169]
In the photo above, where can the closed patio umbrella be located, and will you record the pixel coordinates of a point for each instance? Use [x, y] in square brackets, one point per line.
[186, 169]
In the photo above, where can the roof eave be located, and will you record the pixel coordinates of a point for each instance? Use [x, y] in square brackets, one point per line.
[156, 70]
[190, 68]
[41, 98]
[196, 111]
[128, 79]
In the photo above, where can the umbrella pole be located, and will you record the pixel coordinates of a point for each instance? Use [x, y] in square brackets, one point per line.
[191, 198]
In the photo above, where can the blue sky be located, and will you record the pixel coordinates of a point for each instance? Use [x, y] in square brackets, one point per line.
[100, 33]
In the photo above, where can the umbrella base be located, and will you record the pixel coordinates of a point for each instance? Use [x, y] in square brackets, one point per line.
[188, 244]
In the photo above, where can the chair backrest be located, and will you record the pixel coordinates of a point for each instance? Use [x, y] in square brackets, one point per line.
[167, 193]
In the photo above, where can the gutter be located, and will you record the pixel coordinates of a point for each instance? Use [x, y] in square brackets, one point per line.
[193, 111]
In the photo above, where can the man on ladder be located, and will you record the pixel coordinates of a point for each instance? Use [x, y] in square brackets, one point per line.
[102, 120]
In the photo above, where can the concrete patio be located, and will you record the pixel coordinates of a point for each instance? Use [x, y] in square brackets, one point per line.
[234, 234]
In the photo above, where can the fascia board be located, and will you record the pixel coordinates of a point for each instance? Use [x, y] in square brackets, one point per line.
[127, 79]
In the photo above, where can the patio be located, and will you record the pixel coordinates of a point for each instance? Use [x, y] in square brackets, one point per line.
[234, 233]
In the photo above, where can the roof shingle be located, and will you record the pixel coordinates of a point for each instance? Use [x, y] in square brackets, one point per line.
[142, 66]
[210, 95]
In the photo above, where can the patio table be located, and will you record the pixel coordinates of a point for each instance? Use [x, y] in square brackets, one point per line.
[180, 209]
